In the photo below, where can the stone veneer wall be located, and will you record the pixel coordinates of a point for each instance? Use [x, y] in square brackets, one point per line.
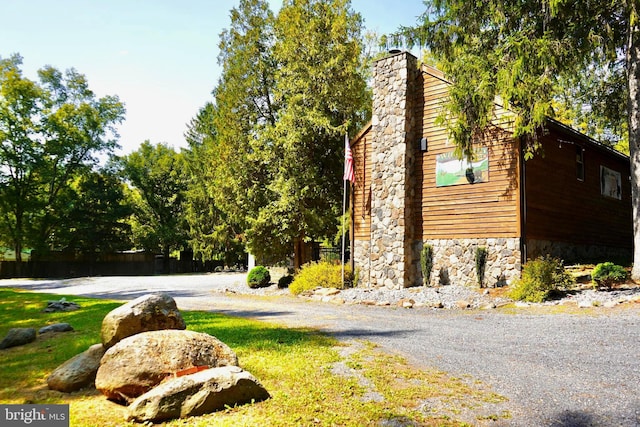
[361, 251]
[454, 261]
[390, 257]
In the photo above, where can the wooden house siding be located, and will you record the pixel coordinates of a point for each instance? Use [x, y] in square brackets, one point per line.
[481, 210]
[560, 207]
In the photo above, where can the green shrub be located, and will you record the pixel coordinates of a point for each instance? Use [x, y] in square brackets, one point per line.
[285, 281]
[258, 277]
[481, 263]
[426, 262]
[607, 274]
[321, 274]
[540, 279]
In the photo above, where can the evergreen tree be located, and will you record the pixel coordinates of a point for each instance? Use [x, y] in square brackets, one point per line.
[322, 95]
[522, 52]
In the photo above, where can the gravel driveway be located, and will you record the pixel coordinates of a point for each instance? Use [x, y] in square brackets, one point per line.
[556, 370]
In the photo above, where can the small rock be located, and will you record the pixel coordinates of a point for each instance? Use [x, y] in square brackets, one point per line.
[77, 372]
[436, 304]
[522, 304]
[585, 304]
[463, 304]
[406, 303]
[18, 336]
[383, 303]
[337, 301]
[56, 327]
[488, 306]
[368, 302]
[60, 305]
[610, 304]
[327, 292]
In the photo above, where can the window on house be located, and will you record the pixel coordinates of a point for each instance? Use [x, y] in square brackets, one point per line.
[579, 163]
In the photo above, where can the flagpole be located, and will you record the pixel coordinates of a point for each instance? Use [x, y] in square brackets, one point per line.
[348, 176]
[344, 208]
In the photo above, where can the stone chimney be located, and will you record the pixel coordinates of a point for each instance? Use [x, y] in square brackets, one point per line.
[393, 130]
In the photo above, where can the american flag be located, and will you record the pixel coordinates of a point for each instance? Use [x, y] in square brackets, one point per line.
[348, 161]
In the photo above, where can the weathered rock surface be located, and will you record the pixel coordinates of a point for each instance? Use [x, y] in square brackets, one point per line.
[152, 312]
[56, 327]
[60, 305]
[197, 394]
[18, 336]
[140, 362]
[77, 372]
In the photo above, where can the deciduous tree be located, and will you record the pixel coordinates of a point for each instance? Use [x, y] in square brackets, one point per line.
[50, 132]
[96, 217]
[157, 174]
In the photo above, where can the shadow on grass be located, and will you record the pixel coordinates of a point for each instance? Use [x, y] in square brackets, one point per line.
[238, 332]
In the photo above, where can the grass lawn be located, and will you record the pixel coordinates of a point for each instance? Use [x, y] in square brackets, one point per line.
[299, 367]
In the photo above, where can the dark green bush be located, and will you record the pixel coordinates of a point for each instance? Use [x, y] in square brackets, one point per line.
[285, 281]
[258, 277]
[481, 263]
[426, 262]
[321, 274]
[607, 274]
[540, 279]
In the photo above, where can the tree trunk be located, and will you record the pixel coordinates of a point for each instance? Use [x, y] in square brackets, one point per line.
[166, 261]
[633, 107]
[17, 244]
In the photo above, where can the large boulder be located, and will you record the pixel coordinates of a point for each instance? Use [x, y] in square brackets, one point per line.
[152, 312]
[140, 362]
[77, 372]
[18, 336]
[197, 394]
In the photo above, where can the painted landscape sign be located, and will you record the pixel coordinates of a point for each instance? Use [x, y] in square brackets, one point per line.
[610, 183]
[452, 171]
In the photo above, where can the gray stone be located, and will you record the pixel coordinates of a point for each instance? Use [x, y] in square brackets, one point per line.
[56, 327]
[78, 372]
[140, 362]
[197, 394]
[61, 305]
[18, 336]
[150, 312]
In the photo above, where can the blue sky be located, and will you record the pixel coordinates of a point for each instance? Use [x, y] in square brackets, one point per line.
[158, 56]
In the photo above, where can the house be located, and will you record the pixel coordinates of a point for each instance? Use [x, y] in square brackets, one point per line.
[572, 200]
